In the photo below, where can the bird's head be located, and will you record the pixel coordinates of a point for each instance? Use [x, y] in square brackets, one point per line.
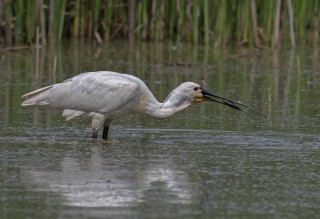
[200, 94]
[193, 93]
[197, 94]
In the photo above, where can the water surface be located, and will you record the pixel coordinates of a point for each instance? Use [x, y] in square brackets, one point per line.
[208, 161]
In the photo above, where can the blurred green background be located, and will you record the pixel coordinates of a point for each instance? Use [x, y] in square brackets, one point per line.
[254, 23]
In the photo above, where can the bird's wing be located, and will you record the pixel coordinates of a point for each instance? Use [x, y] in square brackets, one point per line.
[71, 114]
[101, 92]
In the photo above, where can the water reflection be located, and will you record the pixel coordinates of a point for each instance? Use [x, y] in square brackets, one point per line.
[97, 183]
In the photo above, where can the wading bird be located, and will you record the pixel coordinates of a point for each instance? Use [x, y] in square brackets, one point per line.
[105, 95]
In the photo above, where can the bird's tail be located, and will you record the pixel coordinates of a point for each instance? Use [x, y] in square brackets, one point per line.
[37, 98]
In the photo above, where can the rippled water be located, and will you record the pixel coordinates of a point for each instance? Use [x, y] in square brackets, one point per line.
[206, 162]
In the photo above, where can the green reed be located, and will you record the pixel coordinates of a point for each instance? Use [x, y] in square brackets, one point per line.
[212, 22]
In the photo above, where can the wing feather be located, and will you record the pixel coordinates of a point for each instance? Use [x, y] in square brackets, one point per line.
[71, 114]
[95, 92]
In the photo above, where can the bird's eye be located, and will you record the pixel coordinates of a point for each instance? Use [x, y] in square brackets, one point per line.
[196, 88]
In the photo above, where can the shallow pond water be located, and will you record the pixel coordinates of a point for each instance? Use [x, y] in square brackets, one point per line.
[206, 162]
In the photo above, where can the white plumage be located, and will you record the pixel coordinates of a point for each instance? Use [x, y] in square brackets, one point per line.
[106, 95]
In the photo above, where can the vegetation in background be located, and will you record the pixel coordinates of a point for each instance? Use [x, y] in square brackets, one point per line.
[258, 23]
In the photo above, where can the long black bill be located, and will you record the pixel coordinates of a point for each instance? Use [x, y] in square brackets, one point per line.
[230, 103]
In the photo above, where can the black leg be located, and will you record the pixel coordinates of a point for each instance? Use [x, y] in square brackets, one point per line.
[105, 132]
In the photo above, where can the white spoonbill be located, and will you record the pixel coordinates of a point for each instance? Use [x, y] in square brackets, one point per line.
[105, 95]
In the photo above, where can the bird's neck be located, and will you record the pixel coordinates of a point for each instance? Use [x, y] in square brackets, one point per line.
[172, 104]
